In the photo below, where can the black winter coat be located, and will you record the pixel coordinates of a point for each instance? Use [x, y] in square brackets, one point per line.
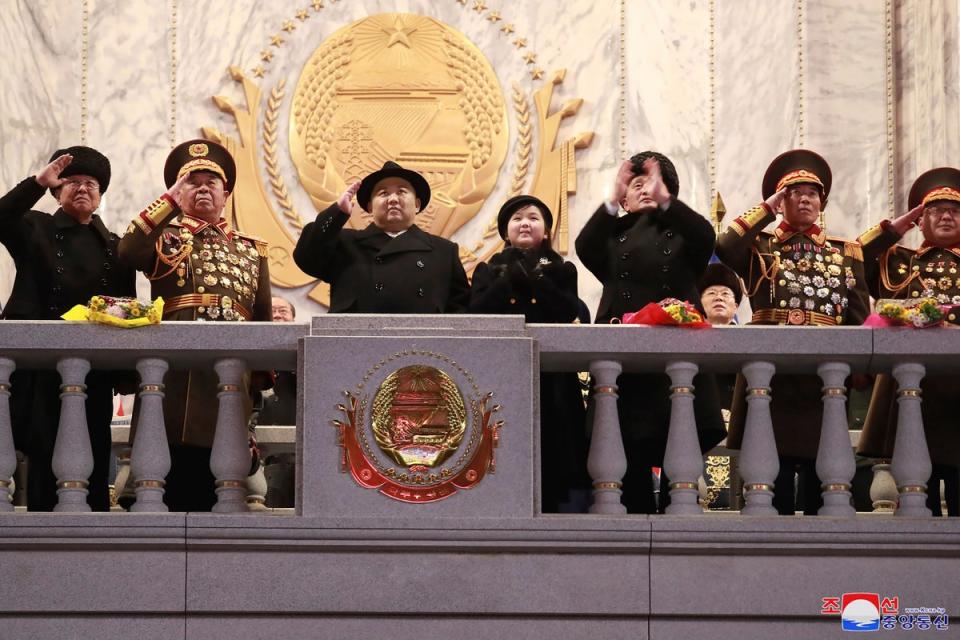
[641, 258]
[370, 272]
[60, 263]
[542, 287]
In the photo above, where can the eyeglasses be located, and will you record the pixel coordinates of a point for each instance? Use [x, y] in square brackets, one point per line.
[91, 185]
[940, 210]
[724, 294]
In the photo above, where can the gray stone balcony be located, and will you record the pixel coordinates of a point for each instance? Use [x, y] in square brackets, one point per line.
[352, 561]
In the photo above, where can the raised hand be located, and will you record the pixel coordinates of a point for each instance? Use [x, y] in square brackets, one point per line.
[776, 200]
[655, 187]
[345, 202]
[902, 224]
[622, 182]
[49, 176]
[177, 187]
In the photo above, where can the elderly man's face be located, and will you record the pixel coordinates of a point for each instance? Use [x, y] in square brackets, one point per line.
[79, 196]
[940, 223]
[801, 206]
[720, 303]
[282, 310]
[203, 196]
[394, 204]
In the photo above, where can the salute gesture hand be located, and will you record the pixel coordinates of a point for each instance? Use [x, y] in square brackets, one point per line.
[776, 200]
[902, 224]
[177, 187]
[49, 176]
[346, 200]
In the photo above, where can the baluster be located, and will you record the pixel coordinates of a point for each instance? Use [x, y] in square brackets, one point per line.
[883, 488]
[682, 461]
[758, 454]
[72, 453]
[257, 490]
[835, 462]
[911, 465]
[8, 455]
[150, 458]
[607, 461]
[230, 457]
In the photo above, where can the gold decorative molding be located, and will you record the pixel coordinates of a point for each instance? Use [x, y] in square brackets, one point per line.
[524, 138]
[172, 31]
[84, 64]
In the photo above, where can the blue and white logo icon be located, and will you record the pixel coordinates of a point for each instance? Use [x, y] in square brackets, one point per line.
[860, 612]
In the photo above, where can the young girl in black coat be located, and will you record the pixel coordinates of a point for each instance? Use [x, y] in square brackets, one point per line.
[531, 279]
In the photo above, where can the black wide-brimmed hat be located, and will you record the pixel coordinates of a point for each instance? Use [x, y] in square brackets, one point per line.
[86, 162]
[937, 184]
[519, 202]
[391, 169]
[720, 275]
[799, 166]
[200, 155]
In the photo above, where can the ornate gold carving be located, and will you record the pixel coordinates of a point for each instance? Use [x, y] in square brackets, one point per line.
[418, 421]
[757, 486]
[418, 416]
[524, 137]
[363, 97]
[717, 476]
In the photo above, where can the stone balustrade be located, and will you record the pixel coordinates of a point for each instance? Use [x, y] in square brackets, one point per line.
[606, 351]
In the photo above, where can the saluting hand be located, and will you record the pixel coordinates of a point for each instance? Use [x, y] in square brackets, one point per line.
[346, 200]
[177, 188]
[49, 177]
[776, 200]
[902, 224]
[622, 182]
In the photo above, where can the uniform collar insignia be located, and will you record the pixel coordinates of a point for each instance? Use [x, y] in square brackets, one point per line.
[926, 246]
[815, 233]
[195, 225]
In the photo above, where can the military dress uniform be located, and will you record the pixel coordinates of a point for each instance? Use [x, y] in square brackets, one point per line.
[59, 263]
[798, 279]
[930, 271]
[204, 272]
[643, 257]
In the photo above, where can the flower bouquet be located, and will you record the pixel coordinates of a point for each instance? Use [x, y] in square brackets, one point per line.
[919, 313]
[117, 312]
[670, 312]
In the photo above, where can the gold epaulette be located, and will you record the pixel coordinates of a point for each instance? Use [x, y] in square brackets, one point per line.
[151, 217]
[870, 234]
[852, 249]
[261, 244]
[749, 220]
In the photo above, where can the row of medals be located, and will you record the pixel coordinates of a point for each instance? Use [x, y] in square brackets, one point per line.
[230, 271]
[812, 278]
[934, 286]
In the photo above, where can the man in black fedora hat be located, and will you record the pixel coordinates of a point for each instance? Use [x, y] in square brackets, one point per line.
[720, 293]
[61, 260]
[391, 266]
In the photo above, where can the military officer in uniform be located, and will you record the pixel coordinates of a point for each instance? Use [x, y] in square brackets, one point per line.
[62, 260]
[391, 266]
[930, 271]
[204, 270]
[659, 249]
[796, 275]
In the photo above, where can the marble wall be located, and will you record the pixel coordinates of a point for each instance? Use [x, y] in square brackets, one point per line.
[153, 68]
